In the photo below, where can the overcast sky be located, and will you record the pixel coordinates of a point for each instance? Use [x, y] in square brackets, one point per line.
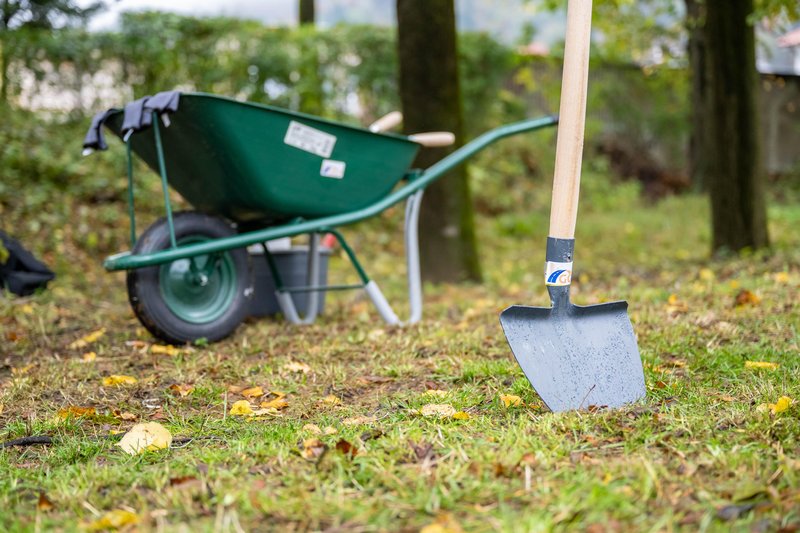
[273, 12]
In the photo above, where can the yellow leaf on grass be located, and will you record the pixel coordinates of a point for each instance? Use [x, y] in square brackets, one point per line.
[118, 379]
[675, 305]
[461, 415]
[88, 357]
[782, 277]
[276, 403]
[88, 339]
[116, 519]
[164, 349]
[359, 421]
[150, 436]
[437, 410]
[253, 392]
[76, 412]
[783, 404]
[181, 390]
[761, 364]
[706, 274]
[242, 408]
[19, 370]
[294, 366]
[511, 400]
[330, 399]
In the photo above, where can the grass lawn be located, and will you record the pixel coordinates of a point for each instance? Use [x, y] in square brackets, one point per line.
[351, 449]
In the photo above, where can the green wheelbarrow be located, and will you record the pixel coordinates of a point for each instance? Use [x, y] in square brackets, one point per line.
[255, 173]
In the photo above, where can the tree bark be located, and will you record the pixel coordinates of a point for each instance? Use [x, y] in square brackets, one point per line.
[307, 15]
[735, 176]
[431, 101]
[696, 48]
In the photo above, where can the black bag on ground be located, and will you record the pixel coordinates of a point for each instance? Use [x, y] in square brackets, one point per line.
[20, 272]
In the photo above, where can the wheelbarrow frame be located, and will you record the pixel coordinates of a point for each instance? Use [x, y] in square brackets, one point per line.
[411, 191]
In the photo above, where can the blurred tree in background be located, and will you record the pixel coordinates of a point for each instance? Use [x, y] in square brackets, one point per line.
[17, 16]
[431, 97]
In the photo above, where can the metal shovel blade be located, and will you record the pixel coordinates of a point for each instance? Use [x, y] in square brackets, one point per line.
[574, 356]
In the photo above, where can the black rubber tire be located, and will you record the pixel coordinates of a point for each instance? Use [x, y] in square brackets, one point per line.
[144, 286]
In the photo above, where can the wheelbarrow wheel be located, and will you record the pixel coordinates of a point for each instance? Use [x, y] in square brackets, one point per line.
[203, 297]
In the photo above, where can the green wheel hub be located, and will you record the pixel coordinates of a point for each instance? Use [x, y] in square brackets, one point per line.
[200, 289]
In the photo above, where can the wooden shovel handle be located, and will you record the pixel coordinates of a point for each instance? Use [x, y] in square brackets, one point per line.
[572, 117]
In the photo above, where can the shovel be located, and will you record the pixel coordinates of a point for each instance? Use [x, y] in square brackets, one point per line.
[575, 357]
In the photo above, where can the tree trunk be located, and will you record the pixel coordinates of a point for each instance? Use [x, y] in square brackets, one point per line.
[4, 60]
[735, 176]
[306, 12]
[696, 48]
[431, 101]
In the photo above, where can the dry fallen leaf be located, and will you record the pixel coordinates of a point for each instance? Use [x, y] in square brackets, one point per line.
[253, 392]
[312, 449]
[675, 306]
[346, 448]
[436, 393]
[294, 366]
[181, 390]
[76, 412]
[445, 523]
[746, 297]
[511, 400]
[241, 408]
[88, 357]
[313, 429]
[116, 519]
[164, 349]
[116, 379]
[86, 340]
[276, 403]
[359, 420]
[330, 399]
[124, 415]
[44, 503]
[437, 410]
[149, 436]
[761, 364]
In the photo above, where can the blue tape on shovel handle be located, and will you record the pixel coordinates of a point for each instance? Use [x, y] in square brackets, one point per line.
[557, 274]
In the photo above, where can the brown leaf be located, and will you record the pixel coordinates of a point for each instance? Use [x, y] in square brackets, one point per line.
[346, 448]
[44, 504]
[124, 416]
[312, 449]
[746, 297]
[359, 421]
[76, 412]
[181, 390]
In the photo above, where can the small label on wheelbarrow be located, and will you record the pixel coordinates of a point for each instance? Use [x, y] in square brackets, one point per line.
[309, 139]
[332, 169]
[557, 274]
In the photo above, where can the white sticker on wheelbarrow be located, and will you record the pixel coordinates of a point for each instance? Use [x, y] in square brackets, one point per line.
[557, 274]
[309, 139]
[332, 169]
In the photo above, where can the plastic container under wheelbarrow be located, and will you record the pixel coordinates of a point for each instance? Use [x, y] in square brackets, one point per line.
[292, 265]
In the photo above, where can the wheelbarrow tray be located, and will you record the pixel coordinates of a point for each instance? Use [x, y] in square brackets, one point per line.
[255, 163]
